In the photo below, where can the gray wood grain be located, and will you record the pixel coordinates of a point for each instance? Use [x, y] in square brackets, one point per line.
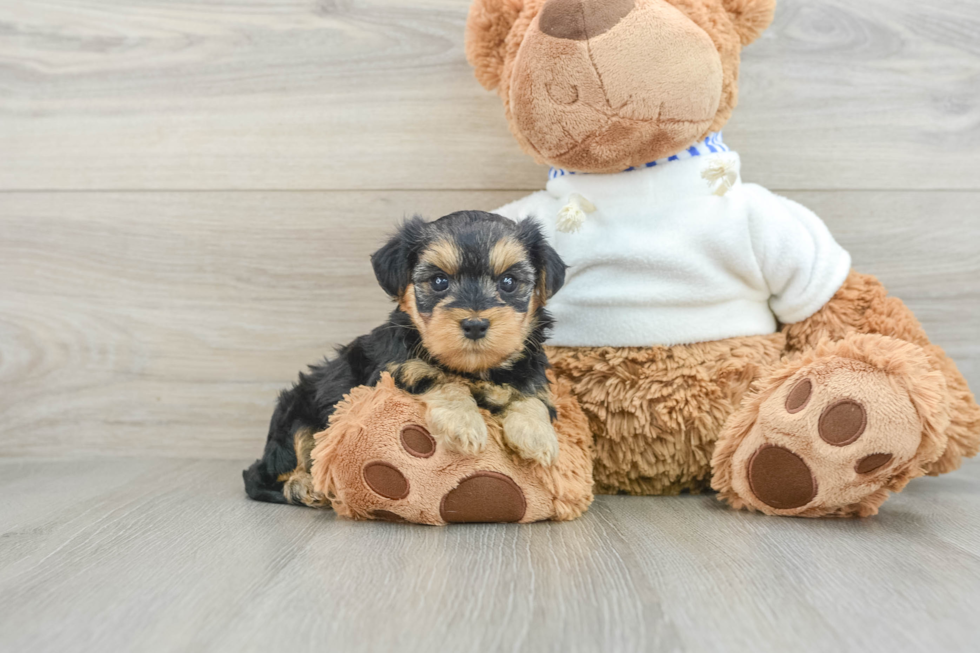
[376, 94]
[165, 323]
[169, 555]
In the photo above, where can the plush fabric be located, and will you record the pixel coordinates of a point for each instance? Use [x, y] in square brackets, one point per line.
[847, 402]
[587, 105]
[712, 144]
[880, 373]
[662, 260]
[656, 412]
[364, 445]
[863, 305]
[751, 17]
[487, 30]
[862, 328]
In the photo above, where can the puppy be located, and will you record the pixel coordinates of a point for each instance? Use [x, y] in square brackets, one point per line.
[468, 333]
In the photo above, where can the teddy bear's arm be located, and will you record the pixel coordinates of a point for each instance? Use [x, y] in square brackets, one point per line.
[801, 263]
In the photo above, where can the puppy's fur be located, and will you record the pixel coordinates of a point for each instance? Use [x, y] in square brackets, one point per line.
[469, 268]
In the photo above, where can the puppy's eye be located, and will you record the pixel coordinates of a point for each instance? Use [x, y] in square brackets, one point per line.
[440, 282]
[507, 284]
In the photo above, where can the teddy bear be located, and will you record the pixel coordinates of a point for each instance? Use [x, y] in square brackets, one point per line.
[715, 334]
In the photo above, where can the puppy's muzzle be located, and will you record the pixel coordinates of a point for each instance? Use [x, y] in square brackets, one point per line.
[475, 328]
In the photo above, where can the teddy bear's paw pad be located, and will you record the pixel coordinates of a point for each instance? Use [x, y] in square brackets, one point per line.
[385, 480]
[387, 515]
[833, 435]
[799, 396]
[873, 463]
[780, 479]
[417, 441]
[484, 497]
[842, 423]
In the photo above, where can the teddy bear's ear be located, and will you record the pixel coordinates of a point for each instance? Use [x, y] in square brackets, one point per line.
[486, 30]
[751, 17]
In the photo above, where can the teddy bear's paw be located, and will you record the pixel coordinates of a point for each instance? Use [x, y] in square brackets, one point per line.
[380, 459]
[458, 427]
[529, 432]
[411, 485]
[829, 441]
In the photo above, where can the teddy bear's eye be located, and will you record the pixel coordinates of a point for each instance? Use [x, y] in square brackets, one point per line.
[507, 284]
[440, 283]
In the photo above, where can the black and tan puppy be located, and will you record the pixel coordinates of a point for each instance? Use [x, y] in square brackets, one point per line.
[468, 333]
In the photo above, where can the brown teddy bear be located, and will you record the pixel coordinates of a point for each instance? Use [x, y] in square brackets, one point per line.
[714, 333]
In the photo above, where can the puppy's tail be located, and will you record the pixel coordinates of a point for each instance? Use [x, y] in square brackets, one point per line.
[282, 475]
[263, 485]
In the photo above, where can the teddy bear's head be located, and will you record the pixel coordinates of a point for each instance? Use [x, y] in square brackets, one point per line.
[603, 85]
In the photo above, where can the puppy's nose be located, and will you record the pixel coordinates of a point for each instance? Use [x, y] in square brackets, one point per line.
[580, 20]
[474, 328]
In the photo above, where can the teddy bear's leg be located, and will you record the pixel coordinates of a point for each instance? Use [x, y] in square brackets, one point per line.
[862, 305]
[656, 412]
[834, 430]
[380, 459]
[963, 433]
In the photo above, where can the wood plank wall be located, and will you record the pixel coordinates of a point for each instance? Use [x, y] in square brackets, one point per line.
[189, 190]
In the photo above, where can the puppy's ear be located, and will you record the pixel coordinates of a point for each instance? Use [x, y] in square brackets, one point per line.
[487, 28]
[554, 271]
[544, 258]
[751, 17]
[393, 263]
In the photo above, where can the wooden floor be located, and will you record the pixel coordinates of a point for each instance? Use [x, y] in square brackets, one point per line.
[189, 193]
[168, 555]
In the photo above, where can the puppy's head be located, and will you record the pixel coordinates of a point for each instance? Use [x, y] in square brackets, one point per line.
[473, 284]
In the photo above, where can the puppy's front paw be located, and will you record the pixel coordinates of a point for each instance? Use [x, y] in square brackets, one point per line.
[459, 428]
[528, 431]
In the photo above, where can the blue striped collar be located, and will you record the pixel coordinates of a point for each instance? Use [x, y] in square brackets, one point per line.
[713, 144]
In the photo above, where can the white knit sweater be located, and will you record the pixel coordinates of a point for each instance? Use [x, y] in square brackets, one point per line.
[665, 256]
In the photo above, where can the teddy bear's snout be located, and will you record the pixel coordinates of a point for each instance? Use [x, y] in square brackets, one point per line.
[580, 20]
[579, 106]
